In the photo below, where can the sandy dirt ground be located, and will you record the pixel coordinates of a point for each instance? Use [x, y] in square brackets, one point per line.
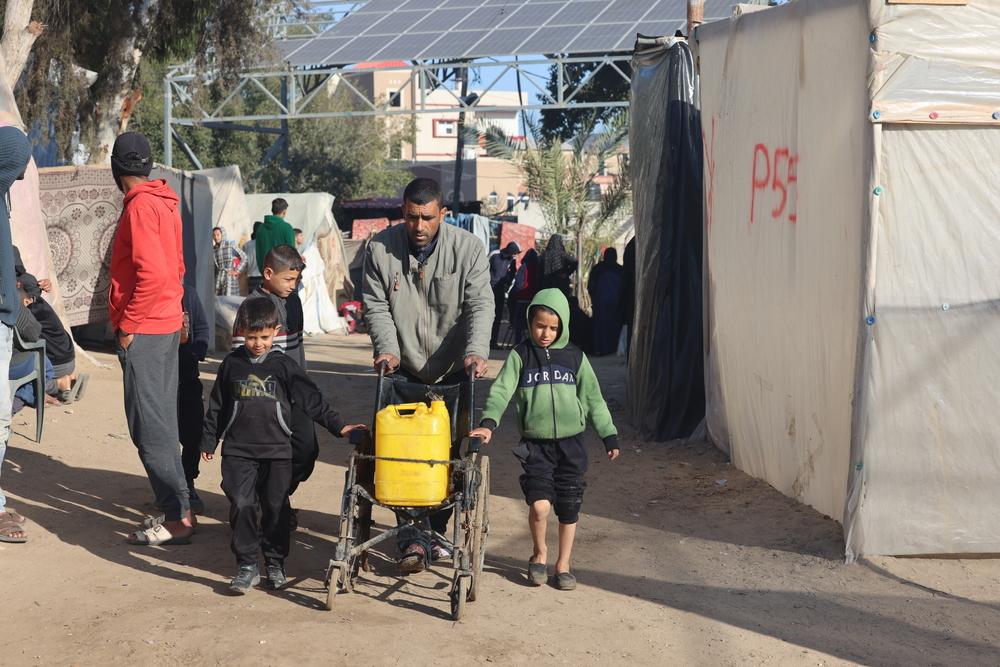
[682, 560]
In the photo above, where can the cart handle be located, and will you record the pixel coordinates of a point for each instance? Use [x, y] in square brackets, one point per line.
[474, 445]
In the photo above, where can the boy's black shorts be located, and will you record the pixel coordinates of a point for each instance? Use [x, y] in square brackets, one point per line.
[554, 471]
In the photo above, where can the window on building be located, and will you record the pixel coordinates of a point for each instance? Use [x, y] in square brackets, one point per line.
[444, 127]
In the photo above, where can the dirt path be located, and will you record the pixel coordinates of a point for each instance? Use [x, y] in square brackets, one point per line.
[675, 565]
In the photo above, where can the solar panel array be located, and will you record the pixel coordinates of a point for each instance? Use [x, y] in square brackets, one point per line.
[383, 30]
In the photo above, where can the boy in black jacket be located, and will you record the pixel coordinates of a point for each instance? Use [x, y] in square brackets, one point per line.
[249, 410]
[281, 273]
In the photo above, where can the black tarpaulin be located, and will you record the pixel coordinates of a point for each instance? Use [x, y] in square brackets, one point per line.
[666, 384]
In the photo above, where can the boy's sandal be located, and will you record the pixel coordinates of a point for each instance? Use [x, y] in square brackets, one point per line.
[154, 521]
[12, 532]
[564, 581]
[157, 536]
[11, 515]
[537, 573]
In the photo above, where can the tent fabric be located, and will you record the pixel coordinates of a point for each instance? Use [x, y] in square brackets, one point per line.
[852, 263]
[666, 378]
[209, 198]
[318, 309]
[312, 212]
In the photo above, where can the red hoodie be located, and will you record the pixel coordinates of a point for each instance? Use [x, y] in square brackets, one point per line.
[147, 262]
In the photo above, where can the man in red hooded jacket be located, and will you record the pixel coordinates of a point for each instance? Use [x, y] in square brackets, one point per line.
[147, 274]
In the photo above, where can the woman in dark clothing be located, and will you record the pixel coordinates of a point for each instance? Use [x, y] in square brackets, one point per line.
[558, 266]
[503, 269]
[526, 286]
[605, 289]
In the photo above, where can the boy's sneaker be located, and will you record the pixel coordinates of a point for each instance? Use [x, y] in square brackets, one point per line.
[245, 579]
[276, 576]
[195, 502]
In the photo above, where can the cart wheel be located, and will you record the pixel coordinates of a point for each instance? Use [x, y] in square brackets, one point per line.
[333, 584]
[459, 593]
[480, 526]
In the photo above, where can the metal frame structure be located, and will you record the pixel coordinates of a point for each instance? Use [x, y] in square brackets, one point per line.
[289, 92]
[300, 87]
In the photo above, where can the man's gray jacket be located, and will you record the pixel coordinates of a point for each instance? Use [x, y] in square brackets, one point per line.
[432, 316]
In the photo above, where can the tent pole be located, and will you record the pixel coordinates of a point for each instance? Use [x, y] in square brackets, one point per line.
[168, 147]
[696, 14]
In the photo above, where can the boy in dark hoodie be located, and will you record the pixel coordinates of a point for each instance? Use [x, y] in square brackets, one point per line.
[253, 394]
[281, 272]
[557, 393]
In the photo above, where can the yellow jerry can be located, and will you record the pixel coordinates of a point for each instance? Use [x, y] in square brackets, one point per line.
[412, 431]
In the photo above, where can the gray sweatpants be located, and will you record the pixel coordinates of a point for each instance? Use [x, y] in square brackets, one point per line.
[149, 369]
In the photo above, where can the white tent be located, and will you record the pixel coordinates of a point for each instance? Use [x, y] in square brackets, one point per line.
[853, 263]
[326, 271]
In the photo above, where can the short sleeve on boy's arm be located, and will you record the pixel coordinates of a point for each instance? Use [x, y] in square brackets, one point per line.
[502, 390]
[589, 392]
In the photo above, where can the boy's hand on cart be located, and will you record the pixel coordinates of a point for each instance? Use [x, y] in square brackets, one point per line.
[475, 364]
[613, 454]
[206, 456]
[352, 427]
[483, 434]
[391, 362]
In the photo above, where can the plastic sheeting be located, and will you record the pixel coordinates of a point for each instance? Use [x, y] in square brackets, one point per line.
[666, 376]
[852, 263]
[209, 198]
[933, 63]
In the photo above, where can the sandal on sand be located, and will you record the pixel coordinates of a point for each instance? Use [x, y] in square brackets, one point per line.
[156, 536]
[537, 573]
[154, 521]
[12, 532]
[11, 515]
[564, 581]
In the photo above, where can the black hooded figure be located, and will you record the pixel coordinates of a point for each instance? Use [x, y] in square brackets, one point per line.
[503, 268]
[558, 266]
[605, 288]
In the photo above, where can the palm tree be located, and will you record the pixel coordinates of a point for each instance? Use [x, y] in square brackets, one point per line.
[562, 180]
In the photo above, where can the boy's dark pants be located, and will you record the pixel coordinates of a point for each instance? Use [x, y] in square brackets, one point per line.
[247, 483]
[190, 419]
[553, 471]
[305, 447]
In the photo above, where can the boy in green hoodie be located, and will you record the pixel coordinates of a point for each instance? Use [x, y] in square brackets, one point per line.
[556, 393]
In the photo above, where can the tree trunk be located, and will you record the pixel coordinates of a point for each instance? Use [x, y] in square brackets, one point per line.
[115, 97]
[19, 35]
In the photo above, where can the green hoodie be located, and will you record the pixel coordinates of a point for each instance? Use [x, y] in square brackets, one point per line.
[274, 232]
[555, 389]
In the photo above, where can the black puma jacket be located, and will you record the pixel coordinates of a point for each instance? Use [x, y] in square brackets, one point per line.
[251, 406]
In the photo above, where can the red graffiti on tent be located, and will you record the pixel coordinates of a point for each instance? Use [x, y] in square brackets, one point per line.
[709, 148]
[774, 179]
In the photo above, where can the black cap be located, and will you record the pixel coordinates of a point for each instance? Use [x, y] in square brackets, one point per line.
[131, 155]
